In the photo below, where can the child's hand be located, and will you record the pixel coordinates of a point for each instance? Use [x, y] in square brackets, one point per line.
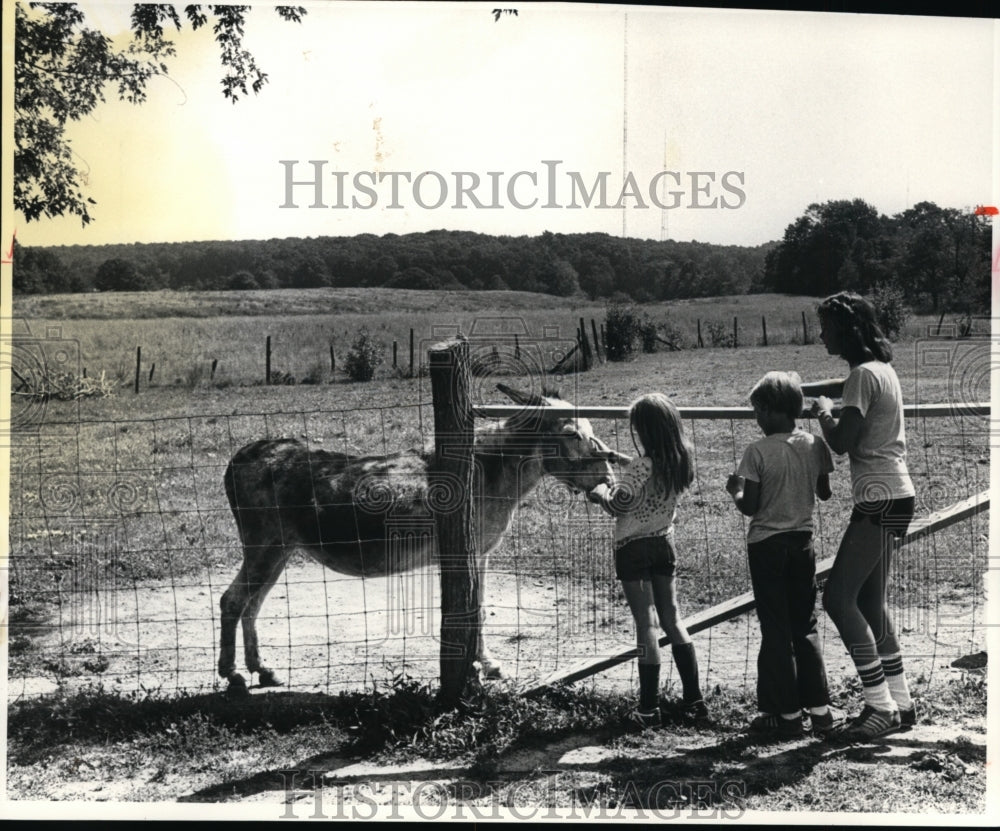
[821, 404]
[598, 494]
[734, 484]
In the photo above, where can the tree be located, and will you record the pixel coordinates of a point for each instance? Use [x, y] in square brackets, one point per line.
[61, 70]
[564, 280]
[242, 281]
[947, 257]
[118, 275]
[39, 271]
[824, 250]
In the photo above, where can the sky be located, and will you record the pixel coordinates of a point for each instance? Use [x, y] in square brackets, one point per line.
[710, 125]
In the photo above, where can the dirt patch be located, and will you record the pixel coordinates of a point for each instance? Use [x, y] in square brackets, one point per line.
[324, 632]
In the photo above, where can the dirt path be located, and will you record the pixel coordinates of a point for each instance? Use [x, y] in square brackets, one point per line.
[323, 632]
[724, 773]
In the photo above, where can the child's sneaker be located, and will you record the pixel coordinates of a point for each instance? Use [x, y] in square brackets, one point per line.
[907, 718]
[644, 719]
[871, 724]
[769, 724]
[828, 723]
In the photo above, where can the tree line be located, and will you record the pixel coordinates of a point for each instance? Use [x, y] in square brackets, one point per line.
[592, 265]
[938, 258]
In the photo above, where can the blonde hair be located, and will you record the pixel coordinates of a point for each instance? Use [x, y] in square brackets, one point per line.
[656, 420]
[779, 392]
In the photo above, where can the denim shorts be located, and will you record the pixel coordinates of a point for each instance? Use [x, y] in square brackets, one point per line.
[892, 514]
[643, 557]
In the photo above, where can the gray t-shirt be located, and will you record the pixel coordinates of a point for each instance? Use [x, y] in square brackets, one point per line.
[786, 465]
[878, 461]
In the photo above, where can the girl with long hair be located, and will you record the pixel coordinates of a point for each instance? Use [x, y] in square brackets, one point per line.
[871, 432]
[644, 502]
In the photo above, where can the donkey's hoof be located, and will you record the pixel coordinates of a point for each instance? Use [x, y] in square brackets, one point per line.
[491, 671]
[237, 686]
[267, 678]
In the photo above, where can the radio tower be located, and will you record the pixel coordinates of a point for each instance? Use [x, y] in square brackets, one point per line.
[625, 124]
[663, 211]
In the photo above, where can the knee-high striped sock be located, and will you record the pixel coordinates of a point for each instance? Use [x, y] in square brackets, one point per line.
[874, 686]
[892, 666]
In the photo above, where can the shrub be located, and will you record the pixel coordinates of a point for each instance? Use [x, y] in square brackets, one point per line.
[720, 334]
[890, 309]
[68, 386]
[656, 334]
[648, 334]
[622, 328]
[282, 379]
[964, 325]
[365, 356]
[314, 374]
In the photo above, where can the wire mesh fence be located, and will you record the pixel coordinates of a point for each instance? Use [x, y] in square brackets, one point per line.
[122, 543]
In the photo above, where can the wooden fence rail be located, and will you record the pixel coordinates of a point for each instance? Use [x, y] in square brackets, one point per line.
[743, 603]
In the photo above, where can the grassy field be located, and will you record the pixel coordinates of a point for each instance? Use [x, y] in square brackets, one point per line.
[147, 469]
[181, 334]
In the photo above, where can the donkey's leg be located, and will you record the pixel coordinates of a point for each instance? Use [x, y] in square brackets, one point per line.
[232, 605]
[260, 584]
[490, 666]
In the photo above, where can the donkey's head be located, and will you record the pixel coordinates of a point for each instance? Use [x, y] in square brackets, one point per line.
[569, 449]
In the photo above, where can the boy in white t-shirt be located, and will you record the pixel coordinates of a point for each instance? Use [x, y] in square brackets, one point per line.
[776, 484]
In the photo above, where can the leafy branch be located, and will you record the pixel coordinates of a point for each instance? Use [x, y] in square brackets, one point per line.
[61, 70]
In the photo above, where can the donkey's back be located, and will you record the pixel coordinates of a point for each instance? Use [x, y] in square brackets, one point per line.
[334, 506]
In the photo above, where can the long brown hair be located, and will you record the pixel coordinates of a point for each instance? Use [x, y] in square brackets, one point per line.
[862, 337]
[656, 420]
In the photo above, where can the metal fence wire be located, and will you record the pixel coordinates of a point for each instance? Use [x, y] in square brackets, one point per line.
[122, 543]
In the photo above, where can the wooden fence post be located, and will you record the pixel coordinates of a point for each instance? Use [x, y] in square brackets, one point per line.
[395, 345]
[333, 360]
[152, 369]
[736, 338]
[585, 341]
[215, 366]
[411, 353]
[138, 366]
[805, 331]
[701, 343]
[267, 361]
[451, 483]
[597, 341]
[763, 324]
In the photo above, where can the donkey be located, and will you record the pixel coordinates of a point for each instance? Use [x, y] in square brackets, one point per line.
[336, 508]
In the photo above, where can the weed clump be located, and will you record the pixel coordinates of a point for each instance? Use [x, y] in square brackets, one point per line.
[623, 328]
[364, 357]
[891, 310]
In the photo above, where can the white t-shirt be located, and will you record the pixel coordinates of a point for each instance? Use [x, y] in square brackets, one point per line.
[786, 465]
[878, 460]
[650, 509]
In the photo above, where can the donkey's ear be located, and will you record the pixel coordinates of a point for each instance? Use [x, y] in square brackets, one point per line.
[525, 399]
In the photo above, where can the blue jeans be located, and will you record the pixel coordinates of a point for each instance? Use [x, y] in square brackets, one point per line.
[790, 669]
